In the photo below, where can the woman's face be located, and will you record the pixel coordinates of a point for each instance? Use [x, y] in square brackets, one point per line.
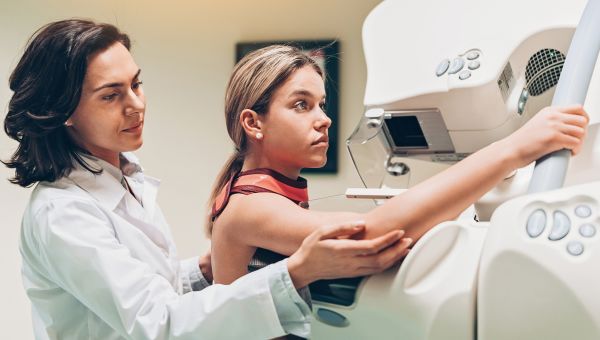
[295, 127]
[110, 115]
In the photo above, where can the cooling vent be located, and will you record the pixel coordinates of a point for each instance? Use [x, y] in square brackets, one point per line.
[543, 70]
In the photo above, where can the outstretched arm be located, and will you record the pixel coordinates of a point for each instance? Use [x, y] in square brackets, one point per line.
[273, 222]
[448, 193]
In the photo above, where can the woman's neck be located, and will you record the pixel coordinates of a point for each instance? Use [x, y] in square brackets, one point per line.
[254, 163]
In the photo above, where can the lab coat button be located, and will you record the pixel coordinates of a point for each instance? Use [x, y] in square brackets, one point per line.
[442, 67]
[457, 65]
[466, 74]
[560, 226]
[587, 230]
[575, 248]
[536, 223]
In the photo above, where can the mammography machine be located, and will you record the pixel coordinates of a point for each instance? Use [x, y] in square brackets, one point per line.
[444, 80]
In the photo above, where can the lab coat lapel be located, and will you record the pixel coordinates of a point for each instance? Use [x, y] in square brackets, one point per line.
[110, 193]
[149, 195]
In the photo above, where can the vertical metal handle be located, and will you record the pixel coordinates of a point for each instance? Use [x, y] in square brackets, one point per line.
[550, 170]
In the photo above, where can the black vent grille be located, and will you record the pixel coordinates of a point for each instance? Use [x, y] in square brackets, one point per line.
[543, 70]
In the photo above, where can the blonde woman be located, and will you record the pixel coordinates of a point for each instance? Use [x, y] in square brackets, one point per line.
[275, 116]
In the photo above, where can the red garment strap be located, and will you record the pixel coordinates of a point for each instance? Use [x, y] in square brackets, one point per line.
[261, 180]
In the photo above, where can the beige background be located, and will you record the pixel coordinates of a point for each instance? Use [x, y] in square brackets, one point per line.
[186, 52]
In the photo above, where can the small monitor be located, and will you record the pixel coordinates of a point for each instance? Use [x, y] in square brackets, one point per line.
[406, 132]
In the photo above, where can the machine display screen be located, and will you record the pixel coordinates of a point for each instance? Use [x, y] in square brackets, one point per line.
[406, 132]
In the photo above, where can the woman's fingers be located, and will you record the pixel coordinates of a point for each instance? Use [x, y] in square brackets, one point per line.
[573, 119]
[373, 246]
[573, 131]
[372, 264]
[343, 229]
[575, 109]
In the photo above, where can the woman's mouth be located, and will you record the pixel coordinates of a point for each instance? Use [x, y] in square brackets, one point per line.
[136, 128]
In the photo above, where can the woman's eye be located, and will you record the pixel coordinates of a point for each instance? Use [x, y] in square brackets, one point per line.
[301, 105]
[137, 85]
[110, 97]
[323, 107]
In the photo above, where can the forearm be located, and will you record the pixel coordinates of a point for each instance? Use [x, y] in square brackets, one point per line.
[445, 195]
[288, 244]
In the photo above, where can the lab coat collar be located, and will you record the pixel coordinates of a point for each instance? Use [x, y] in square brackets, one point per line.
[106, 187]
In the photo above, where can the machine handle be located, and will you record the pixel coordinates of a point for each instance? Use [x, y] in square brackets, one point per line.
[550, 170]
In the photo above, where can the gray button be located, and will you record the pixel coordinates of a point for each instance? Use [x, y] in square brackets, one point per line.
[560, 226]
[575, 248]
[536, 223]
[473, 55]
[583, 211]
[473, 65]
[466, 74]
[587, 230]
[456, 65]
[332, 318]
[442, 67]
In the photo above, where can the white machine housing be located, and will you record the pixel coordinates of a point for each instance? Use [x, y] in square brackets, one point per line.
[434, 293]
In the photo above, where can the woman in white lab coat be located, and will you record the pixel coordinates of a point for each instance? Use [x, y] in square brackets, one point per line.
[99, 261]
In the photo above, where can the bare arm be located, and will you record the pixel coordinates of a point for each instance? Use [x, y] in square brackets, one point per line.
[271, 221]
[448, 193]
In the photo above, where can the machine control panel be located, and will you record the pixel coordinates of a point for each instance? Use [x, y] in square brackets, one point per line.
[470, 59]
[580, 216]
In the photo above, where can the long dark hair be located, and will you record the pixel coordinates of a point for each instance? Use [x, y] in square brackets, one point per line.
[46, 87]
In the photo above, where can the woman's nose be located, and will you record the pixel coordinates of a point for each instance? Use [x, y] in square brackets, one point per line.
[136, 103]
[324, 122]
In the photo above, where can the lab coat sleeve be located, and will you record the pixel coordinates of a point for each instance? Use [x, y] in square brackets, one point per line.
[80, 251]
[192, 278]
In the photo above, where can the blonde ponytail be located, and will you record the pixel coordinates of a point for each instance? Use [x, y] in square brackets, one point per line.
[253, 81]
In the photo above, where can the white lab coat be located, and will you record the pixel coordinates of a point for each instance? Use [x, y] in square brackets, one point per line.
[99, 265]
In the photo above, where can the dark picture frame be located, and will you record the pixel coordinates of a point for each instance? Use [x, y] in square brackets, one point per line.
[325, 53]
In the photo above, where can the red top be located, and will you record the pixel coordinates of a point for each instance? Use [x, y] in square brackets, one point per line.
[261, 180]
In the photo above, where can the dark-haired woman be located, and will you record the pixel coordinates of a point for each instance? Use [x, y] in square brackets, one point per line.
[98, 258]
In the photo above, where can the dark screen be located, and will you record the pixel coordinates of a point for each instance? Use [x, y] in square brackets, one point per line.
[406, 132]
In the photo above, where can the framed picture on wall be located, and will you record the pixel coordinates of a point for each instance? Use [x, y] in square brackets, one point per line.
[326, 54]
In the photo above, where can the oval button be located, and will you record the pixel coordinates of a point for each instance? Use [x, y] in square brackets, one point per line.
[473, 55]
[583, 211]
[466, 74]
[457, 65]
[473, 65]
[536, 223]
[575, 248]
[442, 67]
[332, 318]
[560, 226]
[587, 230]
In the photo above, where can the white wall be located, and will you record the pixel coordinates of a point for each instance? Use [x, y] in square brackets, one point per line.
[186, 51]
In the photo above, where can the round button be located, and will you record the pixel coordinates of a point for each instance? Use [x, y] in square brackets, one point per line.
[456, 65]
[473, 65]
[473, 55]
[466, 74]
[587, 230]
[442, 67]
[575, 248]
[583, 211]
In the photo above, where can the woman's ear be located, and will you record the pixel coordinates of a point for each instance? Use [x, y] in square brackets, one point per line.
[251, 124]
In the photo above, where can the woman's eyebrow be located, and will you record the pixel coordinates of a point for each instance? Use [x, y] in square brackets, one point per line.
[116, 84]
[304, 93]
